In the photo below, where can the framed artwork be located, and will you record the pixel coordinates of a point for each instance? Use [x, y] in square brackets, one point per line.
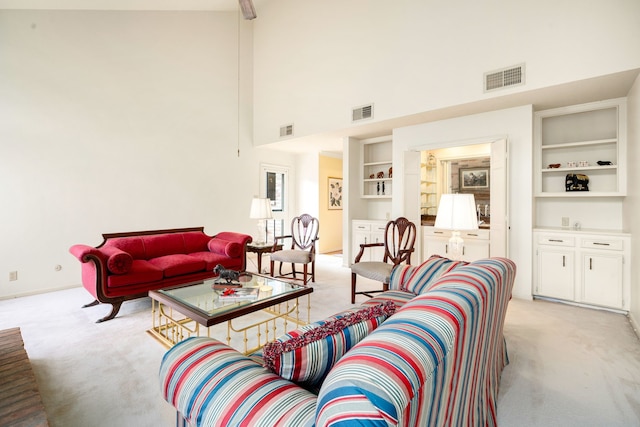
[474, 178]
[335, 193]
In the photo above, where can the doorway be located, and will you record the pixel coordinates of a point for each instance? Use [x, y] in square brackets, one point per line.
[496, 149]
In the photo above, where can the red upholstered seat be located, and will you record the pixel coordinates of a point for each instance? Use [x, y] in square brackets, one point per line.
[141, 272]
[177, 264]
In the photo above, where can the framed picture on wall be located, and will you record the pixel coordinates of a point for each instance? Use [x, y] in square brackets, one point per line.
[474, 178]
[335, 193]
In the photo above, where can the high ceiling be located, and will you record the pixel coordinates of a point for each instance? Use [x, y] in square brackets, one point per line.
[217, 5]
[604, 87]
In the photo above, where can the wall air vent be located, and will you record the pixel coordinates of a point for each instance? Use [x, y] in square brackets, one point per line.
[362, 113]
[286, 130]
[506, 77]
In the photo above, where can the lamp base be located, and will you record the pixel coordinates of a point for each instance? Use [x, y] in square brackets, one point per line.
[456, 246]
[261, 238]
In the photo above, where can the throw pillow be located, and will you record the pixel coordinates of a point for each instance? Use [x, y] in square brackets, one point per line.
[306, 355]
[224, 247]
[419, 279]
[118, 261]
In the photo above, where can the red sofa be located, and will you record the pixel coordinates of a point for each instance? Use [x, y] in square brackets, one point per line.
[128, 265]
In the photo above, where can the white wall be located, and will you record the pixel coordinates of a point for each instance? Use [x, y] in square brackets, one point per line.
[514, 123]
[117, 121]
[316, 60]
[632, 201]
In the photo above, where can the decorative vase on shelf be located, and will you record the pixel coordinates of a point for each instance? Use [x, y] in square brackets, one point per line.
[383, 188]
[378, 188]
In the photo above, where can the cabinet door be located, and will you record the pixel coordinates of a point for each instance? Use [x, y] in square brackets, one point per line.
[359, 238]
[436, 246]
[475, 249]
[555, 273]
[377, 236]
[602, 279]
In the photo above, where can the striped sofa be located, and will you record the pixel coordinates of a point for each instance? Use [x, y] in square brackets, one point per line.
[436, 361]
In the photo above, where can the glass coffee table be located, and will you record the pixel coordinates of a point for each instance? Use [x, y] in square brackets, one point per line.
[192, 309]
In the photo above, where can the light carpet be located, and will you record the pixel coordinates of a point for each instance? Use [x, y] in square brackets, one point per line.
[570, 366]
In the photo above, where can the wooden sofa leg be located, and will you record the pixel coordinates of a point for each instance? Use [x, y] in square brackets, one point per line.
[91, 304]
[115, 308]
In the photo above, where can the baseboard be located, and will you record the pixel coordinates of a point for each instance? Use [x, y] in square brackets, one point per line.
[40, 292]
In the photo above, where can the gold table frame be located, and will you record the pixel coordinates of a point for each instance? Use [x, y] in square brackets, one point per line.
[174, 319]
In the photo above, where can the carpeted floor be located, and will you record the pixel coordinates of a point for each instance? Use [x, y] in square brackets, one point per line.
[570, 366]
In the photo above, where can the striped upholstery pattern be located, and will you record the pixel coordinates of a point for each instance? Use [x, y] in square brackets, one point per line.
[211, 384]
[417, 279]
[307, 354]
[436, 362]
[399, 298]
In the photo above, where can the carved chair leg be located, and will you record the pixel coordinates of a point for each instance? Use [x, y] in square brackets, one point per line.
[304, 274]
[115, 308]
[353, 288]
[271, 270]
[313, 271]
[91, 304]
[293, 269]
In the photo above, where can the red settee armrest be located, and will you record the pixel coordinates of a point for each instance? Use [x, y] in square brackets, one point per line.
[230, 236]
[84, 252]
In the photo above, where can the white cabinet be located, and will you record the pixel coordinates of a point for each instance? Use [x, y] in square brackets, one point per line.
[585, 268]
[436, 242]
[555, 267]
[368, 231]
[376, 156]
[572, 140]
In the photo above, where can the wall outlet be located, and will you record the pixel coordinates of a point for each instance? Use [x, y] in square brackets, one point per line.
[13, 276]
[565, 221]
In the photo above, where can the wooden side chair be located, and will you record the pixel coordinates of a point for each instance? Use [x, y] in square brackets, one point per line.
[399, 239]
[304, 234]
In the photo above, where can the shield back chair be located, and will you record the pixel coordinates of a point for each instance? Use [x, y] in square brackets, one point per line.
[304, 234]
[399, 239]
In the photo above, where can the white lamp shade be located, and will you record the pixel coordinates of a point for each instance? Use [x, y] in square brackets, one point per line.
[457, 212]
[260, 208]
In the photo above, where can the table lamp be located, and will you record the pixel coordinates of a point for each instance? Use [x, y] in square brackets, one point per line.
[457, 212]
[261, 210]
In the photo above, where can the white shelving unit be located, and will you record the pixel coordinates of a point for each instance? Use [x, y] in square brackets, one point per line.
[428, 185]
[576, 138]
[377, 159]
[587, 266]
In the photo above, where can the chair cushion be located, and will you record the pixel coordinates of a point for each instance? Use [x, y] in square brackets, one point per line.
[307, 354]
[374, 270]
[419, 279]
[294, 256]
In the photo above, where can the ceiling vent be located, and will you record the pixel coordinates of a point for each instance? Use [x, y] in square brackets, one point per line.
[362, 113]
[506, 77]
[286, 130]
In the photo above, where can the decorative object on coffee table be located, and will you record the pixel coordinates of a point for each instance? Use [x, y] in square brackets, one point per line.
[225, 276]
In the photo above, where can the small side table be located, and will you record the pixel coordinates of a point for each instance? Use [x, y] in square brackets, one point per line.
[262, 248]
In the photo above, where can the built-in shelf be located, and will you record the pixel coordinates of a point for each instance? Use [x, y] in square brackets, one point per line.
[376, 161]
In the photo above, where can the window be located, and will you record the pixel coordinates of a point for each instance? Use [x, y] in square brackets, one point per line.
[274, 184]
